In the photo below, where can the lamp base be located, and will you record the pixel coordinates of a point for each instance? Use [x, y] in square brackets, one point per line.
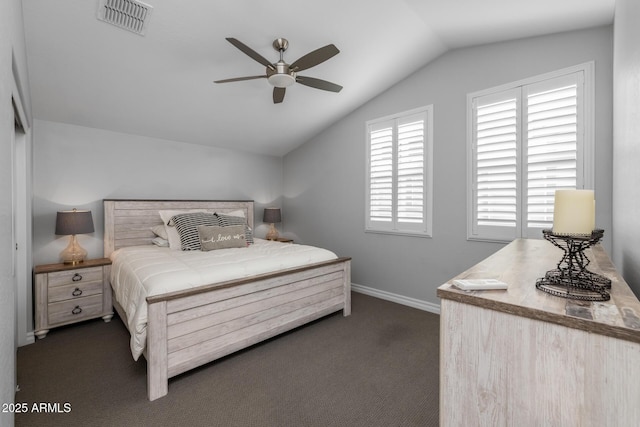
[74, 253]
[272, 234]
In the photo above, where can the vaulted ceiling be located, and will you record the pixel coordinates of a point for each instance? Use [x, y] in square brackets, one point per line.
[86, 72]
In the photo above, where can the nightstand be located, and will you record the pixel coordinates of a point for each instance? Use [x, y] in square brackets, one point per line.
[65, 294]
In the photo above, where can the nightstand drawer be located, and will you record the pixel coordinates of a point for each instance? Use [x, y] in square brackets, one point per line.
[76, 309]
[77, 276]
[75, 291]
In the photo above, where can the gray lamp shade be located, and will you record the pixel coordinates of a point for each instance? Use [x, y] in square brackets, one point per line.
[271, 215]
[74, 222]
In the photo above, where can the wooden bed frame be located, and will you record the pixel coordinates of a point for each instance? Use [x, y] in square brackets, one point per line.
[190, 328]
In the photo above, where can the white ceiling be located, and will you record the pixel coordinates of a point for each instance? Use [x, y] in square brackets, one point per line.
[85, 72]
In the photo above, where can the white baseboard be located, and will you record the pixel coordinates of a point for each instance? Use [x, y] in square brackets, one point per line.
[30, 338]
[400, 299]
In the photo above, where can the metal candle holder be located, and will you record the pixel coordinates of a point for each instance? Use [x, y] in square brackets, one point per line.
[571, 279]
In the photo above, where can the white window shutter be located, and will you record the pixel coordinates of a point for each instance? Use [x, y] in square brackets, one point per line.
[381, 172]
[526, 140]
[399, 168]
[495, 164]
[553, 135]
[411, 169]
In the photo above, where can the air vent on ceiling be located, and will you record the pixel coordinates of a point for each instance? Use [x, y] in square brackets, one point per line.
[130, 15]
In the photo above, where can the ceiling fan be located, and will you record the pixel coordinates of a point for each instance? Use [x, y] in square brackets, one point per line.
[282, 75]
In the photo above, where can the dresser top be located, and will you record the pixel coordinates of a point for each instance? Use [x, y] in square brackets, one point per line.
[522, 262]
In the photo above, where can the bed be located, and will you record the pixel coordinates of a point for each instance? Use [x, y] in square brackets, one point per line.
[186, 328]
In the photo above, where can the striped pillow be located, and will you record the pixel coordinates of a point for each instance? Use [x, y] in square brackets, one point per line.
[228, 220]
[187, 227]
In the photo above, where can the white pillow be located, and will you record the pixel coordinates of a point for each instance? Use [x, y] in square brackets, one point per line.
[160, 231]
[159, 241]
[172, 234]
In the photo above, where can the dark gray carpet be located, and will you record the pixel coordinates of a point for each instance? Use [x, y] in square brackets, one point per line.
[377, 367]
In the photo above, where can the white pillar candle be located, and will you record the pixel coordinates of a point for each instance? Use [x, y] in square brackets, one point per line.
[574, 212]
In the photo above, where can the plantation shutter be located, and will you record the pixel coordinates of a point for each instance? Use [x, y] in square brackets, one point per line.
[381, 172]
[411, 173]
[525, 143]
[398, 167]
[495, 164]
[554, 135]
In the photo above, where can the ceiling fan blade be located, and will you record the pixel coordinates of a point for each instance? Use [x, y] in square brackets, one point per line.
[250, 52]
[314, 58]
[278, 94]
[239, 79]
[318, 84]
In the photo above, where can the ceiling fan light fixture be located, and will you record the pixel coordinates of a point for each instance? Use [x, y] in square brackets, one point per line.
[281, 75]
[281, 80]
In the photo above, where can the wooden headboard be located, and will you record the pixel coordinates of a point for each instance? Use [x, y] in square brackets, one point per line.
[129, 222]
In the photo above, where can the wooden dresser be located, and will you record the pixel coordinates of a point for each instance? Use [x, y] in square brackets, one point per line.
[65, 294]
[522, 357]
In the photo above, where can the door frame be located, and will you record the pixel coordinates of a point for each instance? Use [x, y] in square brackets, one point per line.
[22, 222]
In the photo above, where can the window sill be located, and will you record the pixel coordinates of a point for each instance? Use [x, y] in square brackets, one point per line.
[399, 233]
[490, 240]
[500, 240]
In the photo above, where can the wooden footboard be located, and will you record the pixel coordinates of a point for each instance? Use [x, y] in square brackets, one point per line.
[190, 329]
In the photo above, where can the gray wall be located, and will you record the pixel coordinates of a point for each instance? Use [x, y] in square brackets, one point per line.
[78, 167]
[325, 178]
[626, 145]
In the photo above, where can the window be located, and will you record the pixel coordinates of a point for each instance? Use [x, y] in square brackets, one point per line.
[399, 168]
[525, 141]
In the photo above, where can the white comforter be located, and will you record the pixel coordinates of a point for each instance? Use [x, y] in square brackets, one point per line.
[141, 271]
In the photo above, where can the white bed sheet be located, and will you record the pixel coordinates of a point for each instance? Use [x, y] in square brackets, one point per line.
[141, 271]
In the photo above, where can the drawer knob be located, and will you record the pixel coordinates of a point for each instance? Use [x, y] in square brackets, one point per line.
[76, 310]
[76, 292]
[76, 277]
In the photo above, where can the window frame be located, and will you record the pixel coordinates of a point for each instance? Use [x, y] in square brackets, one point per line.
[585, 166]
[394, 227]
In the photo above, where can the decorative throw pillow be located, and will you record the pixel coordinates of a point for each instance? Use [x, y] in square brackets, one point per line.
[187, 226]
[227, 220]
[172, 233]
[215, 237]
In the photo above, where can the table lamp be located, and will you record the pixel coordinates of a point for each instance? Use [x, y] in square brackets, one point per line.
[71, 223]
[271, 216]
